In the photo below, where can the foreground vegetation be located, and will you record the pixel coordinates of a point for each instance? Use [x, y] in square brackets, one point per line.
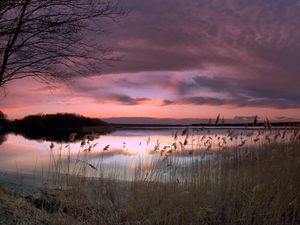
[239, 185]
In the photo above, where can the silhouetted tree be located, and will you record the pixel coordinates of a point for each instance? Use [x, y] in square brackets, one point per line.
[2, 116]
[3, 122]
[51, 39]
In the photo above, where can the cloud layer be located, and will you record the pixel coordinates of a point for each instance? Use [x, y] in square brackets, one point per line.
[248, 50]
[217, 53]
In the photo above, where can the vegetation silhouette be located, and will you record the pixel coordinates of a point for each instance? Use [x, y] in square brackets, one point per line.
[52, 40]
[58, 127]
[3, 122]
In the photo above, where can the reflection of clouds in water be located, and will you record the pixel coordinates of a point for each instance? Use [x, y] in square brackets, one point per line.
[201, 144]
[20, 155]
[19, 148]
[127, 147]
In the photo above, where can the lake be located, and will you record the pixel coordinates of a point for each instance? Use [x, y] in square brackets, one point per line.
[120, 153]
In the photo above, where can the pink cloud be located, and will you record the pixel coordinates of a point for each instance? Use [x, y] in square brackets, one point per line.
[221, 54]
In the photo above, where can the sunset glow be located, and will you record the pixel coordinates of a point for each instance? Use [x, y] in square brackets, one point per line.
[216, 59]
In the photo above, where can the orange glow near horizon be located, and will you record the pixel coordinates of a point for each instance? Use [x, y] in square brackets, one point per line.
[174, 111]
[178, 69]
[26, 97]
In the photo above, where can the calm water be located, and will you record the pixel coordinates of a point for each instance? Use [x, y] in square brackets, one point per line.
[120, 151]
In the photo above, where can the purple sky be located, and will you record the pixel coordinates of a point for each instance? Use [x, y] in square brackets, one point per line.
[183, 59]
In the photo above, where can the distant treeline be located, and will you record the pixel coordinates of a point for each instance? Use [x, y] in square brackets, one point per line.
[3, 122]
[55, 127]
[55, 121]
[58, 127]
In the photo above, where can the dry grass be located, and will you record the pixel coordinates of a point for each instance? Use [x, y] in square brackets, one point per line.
[239, 185]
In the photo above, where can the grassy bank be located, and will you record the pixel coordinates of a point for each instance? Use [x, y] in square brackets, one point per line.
[239, 185]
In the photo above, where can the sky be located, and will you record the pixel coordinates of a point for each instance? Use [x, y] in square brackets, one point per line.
[184, 59]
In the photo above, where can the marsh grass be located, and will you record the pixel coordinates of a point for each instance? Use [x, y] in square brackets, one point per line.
[238, 184]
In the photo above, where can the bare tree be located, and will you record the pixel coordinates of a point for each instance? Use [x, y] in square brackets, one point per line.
[53, 39]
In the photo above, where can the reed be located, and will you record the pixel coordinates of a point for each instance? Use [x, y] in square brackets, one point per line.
[251, 177]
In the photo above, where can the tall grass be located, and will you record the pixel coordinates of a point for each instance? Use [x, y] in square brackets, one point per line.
[195, 180]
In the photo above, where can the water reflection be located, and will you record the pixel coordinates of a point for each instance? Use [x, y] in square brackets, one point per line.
[121, 151]
[2, 138]
[58, 136]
